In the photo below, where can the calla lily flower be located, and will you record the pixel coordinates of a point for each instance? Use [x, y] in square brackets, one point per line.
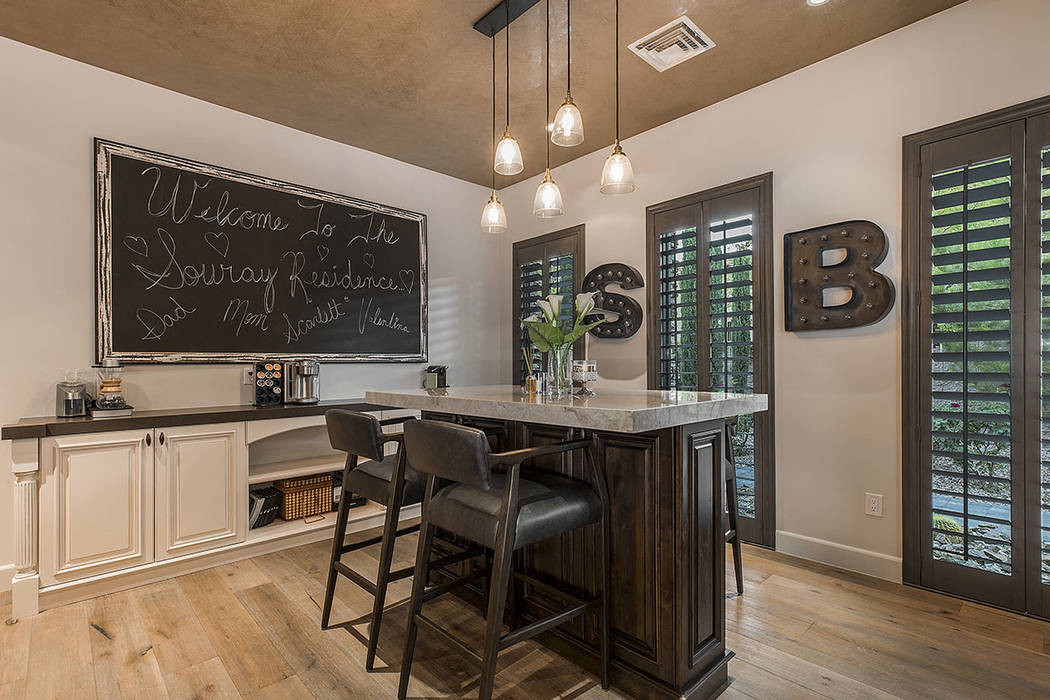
[584, 303]
[548, 312]
[531, 318]
[555, 301]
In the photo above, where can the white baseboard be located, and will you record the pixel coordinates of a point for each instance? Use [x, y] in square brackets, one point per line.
[6, 572]
[863, 561]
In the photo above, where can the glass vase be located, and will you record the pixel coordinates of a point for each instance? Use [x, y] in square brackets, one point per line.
[559, 372]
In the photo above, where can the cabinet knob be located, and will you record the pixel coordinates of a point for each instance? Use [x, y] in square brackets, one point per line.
[149, 440]
[162, 438]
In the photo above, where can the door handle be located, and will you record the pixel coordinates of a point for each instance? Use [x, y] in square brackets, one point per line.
[149, 440]
[162, 438]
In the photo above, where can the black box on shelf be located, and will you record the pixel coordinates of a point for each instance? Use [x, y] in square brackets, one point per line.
[263, 504]
[337, 489]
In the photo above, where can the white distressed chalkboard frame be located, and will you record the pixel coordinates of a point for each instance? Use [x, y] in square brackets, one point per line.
[103, 261]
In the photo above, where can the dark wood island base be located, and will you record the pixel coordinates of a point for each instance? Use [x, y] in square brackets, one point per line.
[668, 557]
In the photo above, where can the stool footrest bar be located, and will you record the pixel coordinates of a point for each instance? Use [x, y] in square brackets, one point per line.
[450, 638]
[534, 628]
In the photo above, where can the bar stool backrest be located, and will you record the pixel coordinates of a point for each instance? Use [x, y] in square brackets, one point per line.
[449, 451]
[355, 433]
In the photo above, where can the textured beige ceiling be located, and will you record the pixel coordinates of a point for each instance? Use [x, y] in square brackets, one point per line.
[411, 79]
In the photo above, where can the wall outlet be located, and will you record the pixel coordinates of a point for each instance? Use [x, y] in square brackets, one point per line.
[249, 375]
[873, 504]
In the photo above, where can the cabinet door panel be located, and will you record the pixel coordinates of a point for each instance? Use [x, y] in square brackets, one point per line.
[96, 504]
[201, 488]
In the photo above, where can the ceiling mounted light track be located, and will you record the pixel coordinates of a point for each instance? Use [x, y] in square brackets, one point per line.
[617, 175]
[493, 217]
[547, 202]
[568, 122]
[507, 160]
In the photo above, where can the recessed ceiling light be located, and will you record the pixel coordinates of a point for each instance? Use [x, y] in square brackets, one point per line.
[816, 3]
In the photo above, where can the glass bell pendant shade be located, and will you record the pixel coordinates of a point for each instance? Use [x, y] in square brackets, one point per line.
[568, 125]
[548, 199]
[508, 155]
[493, 217]
[617, 175]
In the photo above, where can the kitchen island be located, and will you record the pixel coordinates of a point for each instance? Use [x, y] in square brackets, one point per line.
[662, 454]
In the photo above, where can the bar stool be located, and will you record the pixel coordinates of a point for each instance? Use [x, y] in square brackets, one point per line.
[503, 512]
[384, 479]
[732, 533]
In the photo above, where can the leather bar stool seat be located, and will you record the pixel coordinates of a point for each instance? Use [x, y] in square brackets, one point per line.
[371, 479]
[549, 505]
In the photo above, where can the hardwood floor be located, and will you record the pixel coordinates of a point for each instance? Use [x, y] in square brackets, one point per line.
[251, 629]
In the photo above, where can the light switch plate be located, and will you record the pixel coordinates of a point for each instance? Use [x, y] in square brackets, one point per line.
[249, 375]
[873, 504]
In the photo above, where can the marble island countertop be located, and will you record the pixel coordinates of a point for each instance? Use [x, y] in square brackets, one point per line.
[622, 410]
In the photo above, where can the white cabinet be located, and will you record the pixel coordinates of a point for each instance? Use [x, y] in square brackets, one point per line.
[201, 488]
[96, 510]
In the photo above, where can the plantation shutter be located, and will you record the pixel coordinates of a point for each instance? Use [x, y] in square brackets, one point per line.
[731, 321]
[1043, 517]
[703, 258]
[974, 365]
[549, 264]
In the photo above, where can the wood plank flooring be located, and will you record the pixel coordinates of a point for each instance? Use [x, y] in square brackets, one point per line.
[251, 630]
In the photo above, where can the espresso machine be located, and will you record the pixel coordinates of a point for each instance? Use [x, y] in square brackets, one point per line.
[302, 381]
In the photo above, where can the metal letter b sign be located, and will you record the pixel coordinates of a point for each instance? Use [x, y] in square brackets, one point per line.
[830, 279]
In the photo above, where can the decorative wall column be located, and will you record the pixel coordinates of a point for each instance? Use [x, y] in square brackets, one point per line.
[25, 585]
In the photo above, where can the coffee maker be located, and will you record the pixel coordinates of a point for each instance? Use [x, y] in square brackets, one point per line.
[302, 381]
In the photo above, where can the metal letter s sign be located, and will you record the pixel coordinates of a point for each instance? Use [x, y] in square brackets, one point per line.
[627, 310]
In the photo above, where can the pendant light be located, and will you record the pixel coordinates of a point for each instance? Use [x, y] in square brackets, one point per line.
[617, 175]
[568, 123]
[548, 197]
[493, 217]
[508, 153]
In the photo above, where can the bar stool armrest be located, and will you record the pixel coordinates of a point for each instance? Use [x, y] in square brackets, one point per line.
[519, 456]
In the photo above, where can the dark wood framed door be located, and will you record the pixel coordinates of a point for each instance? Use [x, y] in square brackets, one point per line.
[710, 321]
[1037, 381]
[976, 358]
[549, 264]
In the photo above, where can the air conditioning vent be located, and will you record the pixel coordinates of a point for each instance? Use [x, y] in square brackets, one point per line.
[672, 43]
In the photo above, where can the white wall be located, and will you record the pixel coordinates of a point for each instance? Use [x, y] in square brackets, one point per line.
[50, 110]
[831, 133]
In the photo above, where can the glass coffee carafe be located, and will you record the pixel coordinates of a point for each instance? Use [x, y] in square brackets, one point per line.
[110, 390]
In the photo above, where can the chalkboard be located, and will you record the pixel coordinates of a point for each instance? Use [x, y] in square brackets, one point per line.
[198, 263]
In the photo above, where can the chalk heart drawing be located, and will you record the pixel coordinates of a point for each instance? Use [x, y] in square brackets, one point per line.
[137, 245]
[323, 251]
[369, 259]
[219, 242]
[408, 279]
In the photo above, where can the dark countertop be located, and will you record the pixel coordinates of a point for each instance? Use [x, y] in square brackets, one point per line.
[46, 426]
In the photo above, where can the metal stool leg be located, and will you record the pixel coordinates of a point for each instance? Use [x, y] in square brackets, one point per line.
[337, 541]
[497, 601]
[386, 553]
[419, 578]
[733, 534]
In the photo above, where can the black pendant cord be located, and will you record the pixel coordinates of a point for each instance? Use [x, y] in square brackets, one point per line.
[506, 4]
[493, 107]
[547, 105]
[617, 51]
[568, 47]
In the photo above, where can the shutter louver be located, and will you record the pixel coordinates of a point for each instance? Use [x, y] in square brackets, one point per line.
[679, 361]
[1044, 442]
[530, 292]
[971, 365]
[731, 324]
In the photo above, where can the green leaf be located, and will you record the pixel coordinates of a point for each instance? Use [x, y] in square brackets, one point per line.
[538, 340]
[581, 330]
[548, 335]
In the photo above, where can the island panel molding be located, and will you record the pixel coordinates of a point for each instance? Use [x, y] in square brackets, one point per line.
[200, 263]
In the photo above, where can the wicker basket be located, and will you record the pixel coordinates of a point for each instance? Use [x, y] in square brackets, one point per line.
[305, 496]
